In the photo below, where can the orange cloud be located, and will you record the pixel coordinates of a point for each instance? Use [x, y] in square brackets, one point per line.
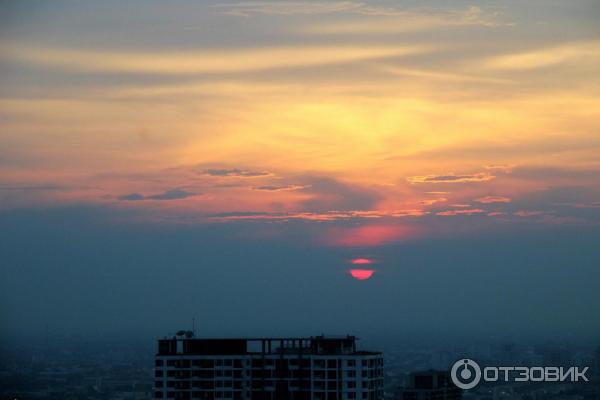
[324, 216]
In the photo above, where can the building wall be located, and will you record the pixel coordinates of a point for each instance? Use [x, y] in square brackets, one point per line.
[270, 376]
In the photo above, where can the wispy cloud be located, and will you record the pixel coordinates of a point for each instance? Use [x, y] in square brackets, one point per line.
[595, 204]
[528, 213]
[131, 197]
[32, 187]
[250, 8]
[443, 76]
[493, 199]
[280, 188]
[506, 168]
[429, 202]
[173, 194]
[472, 211]
[577, 52]
[405, 20]
[198, 61]
[315, 216]
[236, 172]
[451, 178]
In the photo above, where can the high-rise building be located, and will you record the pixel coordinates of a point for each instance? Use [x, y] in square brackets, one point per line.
[319, 367]
[429, 385]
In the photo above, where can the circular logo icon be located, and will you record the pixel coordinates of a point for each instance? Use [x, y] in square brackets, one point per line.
[465, 373]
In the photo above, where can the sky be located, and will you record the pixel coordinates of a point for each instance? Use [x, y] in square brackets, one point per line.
[299, 167]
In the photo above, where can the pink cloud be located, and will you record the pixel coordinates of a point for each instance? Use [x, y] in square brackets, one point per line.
[493, 199]
[429, 202]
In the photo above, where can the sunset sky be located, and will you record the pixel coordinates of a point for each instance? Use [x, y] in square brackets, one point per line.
[341, 131]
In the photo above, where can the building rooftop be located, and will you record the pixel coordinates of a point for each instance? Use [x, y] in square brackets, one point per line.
[184, 343]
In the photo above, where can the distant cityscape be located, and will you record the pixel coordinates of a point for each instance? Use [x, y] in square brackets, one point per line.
[73, 368]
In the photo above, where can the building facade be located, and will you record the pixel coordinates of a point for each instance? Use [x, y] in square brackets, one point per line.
[320, 368]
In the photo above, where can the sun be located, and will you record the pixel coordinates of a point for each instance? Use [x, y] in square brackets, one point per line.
[362, 274]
